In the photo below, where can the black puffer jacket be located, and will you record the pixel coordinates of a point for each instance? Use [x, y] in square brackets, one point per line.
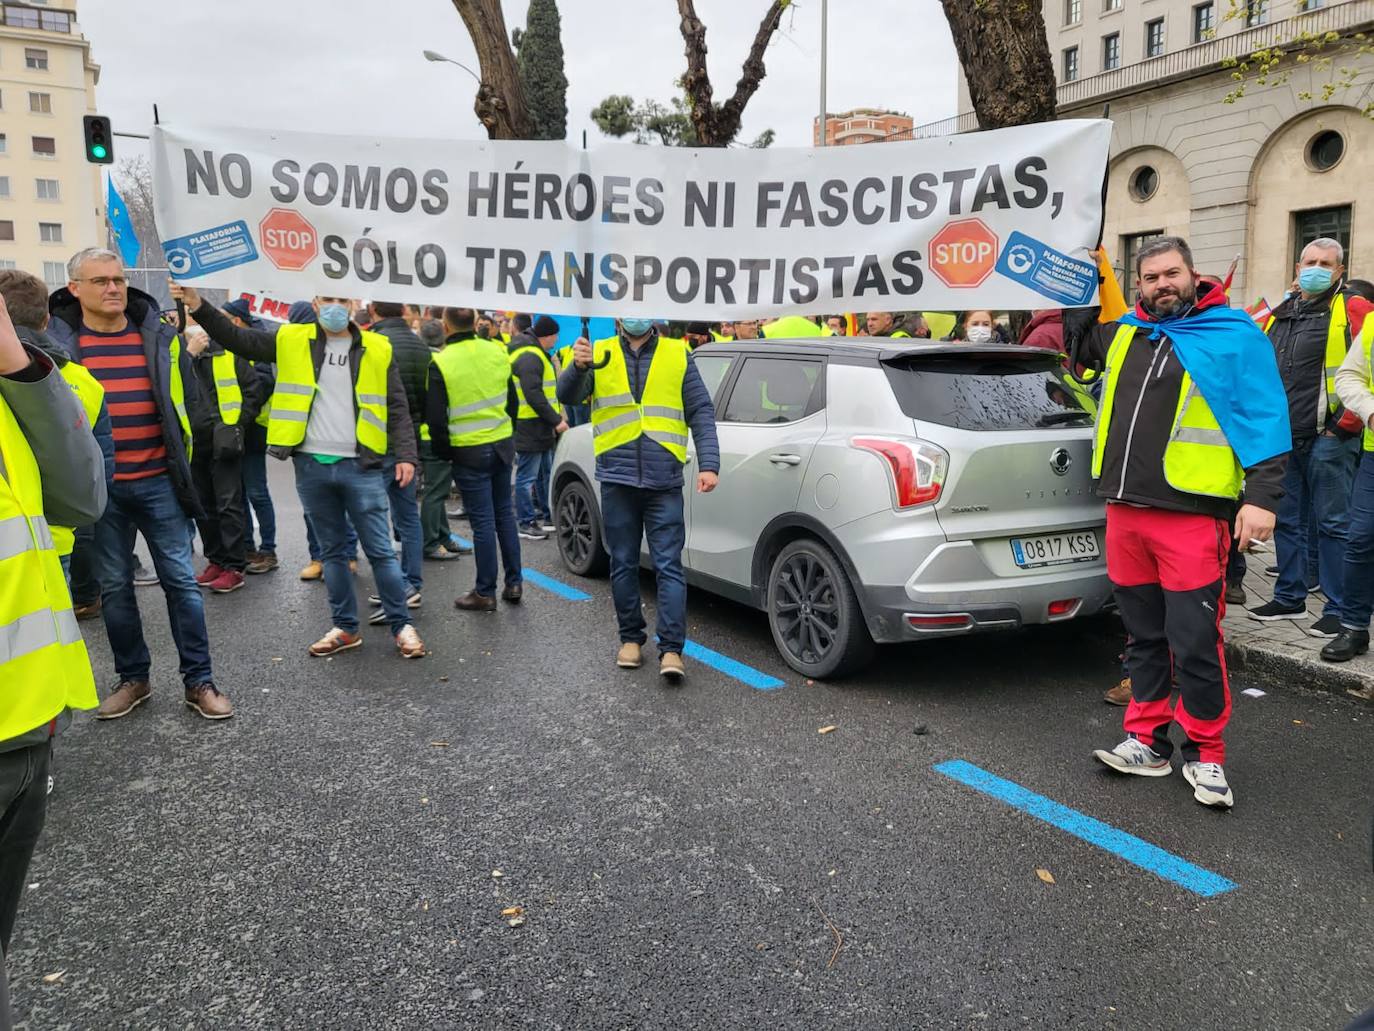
[411, 358]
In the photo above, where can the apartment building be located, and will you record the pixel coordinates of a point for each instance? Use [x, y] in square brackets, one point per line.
[1258, 177]
[862, 125]
[51, 198]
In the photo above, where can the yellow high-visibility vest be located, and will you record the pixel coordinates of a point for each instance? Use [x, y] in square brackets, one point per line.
[618, 419]
[1336, 341]
[295, 390]
[44, 667]
[1367, 343]
[477, 380]
[1198, 458]
[228, 393]
[91, 395]
[550, 384]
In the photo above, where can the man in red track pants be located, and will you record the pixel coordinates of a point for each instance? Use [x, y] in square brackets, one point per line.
[1184, 377]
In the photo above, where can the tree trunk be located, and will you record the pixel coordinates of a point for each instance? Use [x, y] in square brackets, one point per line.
[718, 125]
[1006, 60]
[500, 103]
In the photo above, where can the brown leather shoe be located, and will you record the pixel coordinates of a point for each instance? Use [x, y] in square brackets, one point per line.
[209, 701]
[127, 697]
[87, 610]
[1120, 694]
[474, 602]
[262, 562]
[629, 656]
[513, 594]
[670, 666]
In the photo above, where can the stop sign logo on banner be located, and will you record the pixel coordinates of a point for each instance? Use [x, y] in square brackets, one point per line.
[963, 253]
[288, 240]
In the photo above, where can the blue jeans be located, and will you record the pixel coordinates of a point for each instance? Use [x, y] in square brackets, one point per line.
[487, 498]
[1359, 552]
[257, 499]
[405, 519]
[1320, 476]
[532, 472]
[150, 507]
[632, 514]
[333, 496]
[312, 542]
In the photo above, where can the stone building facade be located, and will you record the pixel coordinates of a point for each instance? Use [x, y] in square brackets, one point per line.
[1256, 177]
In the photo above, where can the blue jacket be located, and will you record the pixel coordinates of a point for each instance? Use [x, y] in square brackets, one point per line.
[644, 462]
[143, 314]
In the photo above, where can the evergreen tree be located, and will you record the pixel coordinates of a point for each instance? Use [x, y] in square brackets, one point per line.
[540, 59]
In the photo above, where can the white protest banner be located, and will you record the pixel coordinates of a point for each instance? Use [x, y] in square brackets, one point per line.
[999, 219]
[265, 305]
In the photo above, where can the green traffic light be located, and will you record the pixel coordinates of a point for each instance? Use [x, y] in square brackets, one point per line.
[97, 151]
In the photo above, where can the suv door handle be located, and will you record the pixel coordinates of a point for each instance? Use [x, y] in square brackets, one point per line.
[785, 459]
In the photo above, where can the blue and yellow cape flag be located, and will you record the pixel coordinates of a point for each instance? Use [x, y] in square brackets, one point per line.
[121, 225]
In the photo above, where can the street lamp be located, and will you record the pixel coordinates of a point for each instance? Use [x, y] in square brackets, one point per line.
[431, 55]
[824, 45]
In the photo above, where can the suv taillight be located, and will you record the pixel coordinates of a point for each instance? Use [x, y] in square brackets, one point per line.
[918, 469]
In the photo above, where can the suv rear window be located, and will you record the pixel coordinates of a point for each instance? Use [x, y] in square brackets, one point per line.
[989, 392]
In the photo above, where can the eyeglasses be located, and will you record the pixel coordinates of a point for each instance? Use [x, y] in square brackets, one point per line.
[103, 281]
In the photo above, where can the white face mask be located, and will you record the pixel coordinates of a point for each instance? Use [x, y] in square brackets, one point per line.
[979, 334]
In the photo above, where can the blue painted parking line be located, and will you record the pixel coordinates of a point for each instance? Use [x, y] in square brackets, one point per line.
[730, 667]
[1106, 837]
[462, 541]
[557, 587]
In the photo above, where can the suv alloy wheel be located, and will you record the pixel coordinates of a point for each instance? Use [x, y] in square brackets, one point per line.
[815, 618]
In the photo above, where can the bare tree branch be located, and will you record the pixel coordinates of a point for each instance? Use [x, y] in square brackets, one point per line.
[1006, 60]
[500, 103]
[717, 125]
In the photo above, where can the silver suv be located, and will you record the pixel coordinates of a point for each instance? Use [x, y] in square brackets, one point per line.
[875, 493]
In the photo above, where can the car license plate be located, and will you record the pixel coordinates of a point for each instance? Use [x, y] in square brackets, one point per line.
[1055, 549]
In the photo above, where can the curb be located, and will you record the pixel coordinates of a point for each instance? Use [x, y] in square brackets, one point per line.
[1284, 670]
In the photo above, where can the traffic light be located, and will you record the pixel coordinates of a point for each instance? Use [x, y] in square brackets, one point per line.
[99, 139]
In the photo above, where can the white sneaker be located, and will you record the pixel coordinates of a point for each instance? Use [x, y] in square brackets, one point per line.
[408, 643]
[548, 527]
[1209, 784]
[1133, 757]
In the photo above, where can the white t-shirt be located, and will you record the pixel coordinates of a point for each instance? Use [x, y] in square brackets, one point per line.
[332, 429]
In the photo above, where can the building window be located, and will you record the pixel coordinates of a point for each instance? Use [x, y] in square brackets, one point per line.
[49, 189]
[6, 230]
[1202, 22]
[1111, 51]
[1332, 223]
[1111, 5]
[55, 21]
[1325, 150]
[21, 17]
[55, 274]
[1144, 182]
[35, 60]
[40, 103]
[8, 264]
[4, 186]
[3, 142]
[1130, 247]
[1154, 38]
[44, 147]
[1310, 5]
[50, 232]
[1070, 64]
[1073, 12]
[1256, 12]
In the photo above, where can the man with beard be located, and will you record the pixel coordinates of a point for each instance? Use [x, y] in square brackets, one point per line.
[1192, 409]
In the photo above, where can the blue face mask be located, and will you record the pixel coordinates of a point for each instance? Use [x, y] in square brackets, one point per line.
[334, 318]
[1315, 280]
[636, 327]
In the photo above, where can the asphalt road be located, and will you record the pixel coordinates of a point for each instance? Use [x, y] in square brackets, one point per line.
[329, 857]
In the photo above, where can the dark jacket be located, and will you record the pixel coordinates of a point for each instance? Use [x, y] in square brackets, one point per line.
[261, 345]
[1147, 390]
[411, 358]
[143, 315]
[644, 462]
[436, 415]
[1299, 335]
[537, 434]
[104, 427]
[204, 410]
[1046, 330]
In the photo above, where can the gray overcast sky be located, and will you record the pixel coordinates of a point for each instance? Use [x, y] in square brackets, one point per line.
[356, 65]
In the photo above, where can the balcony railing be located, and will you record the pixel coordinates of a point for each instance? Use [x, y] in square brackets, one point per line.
[1198, 59]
